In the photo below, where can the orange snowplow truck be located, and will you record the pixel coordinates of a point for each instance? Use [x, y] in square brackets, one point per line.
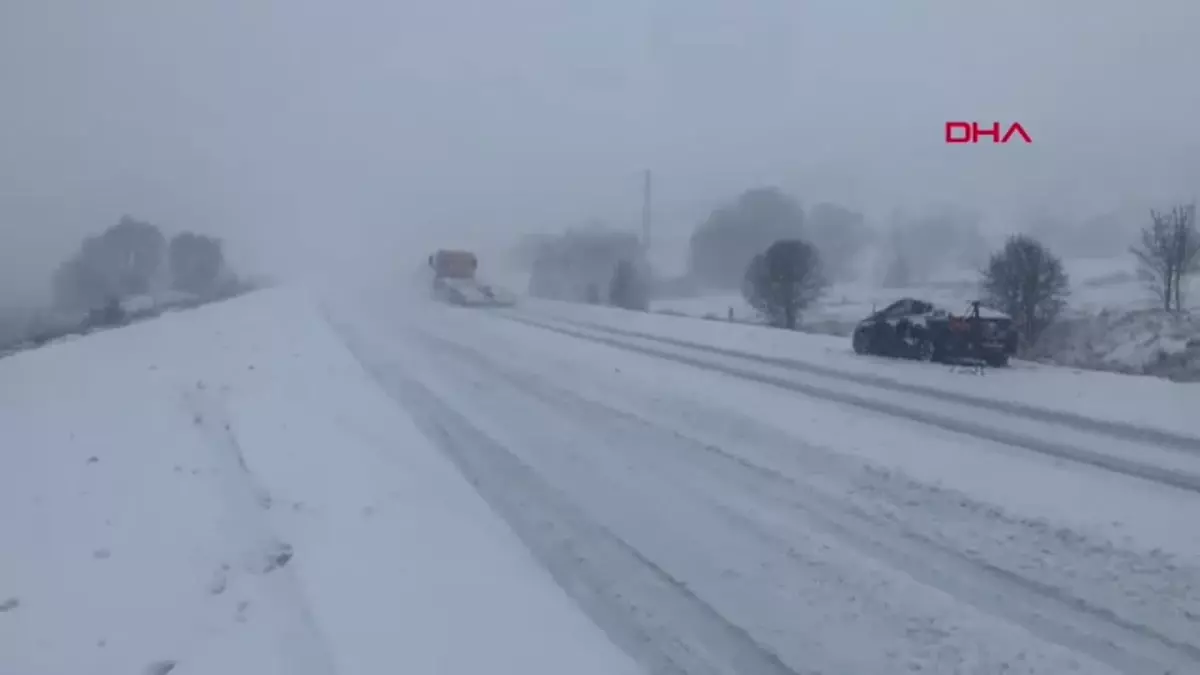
[453, 264]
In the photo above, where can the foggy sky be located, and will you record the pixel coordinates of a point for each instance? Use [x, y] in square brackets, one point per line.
[349, 131]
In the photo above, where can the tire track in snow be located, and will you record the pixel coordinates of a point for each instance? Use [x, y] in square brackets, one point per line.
[303, 646]
[1155, 474]
[1122, 430]
[1047, 610]
[646, 611]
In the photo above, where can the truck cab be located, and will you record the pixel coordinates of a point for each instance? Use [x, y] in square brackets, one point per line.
[453, 264]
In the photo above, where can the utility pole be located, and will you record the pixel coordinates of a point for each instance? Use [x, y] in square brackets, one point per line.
[646, 214]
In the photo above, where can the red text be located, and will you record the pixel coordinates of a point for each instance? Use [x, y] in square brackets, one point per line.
[970, 132]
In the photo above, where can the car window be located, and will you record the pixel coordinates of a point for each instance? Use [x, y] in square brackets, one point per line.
[879, 314]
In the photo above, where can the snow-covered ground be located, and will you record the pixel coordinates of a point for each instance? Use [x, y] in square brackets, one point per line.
[1111, 323]
[717, 515]
[1134, 400]
[376, 482]
[226, 491]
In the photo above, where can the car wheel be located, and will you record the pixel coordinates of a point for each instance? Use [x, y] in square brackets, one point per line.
[860, 341]
[998, 361]
[926, 350]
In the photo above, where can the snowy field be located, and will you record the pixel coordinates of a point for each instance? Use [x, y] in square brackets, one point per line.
[720, 514]
[1112, 321]
[225, 491]
[370, 482]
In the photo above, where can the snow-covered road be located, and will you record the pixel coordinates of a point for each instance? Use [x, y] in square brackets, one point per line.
[1152, 454]
[279, 485]
[225, 491]
[717, 514]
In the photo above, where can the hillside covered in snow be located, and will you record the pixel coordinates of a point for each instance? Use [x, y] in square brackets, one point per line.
[226, 491]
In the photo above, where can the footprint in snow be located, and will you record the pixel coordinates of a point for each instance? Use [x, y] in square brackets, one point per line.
[160, 667]
[280, 556]
[219, 582]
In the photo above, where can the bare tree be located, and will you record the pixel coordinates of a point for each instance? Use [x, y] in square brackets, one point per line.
[725, 242]
[840, 234]
[122, 261]
[1167, 253]
[196, 262]
[1027, 282]
[939, 237]
[567, 266]
[898, 273]
[784, 280]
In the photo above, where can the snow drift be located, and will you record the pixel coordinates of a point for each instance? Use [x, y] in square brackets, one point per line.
[225, 491]
[1142, 342]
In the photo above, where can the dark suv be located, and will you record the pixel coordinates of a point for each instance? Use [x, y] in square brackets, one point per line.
[915, 329]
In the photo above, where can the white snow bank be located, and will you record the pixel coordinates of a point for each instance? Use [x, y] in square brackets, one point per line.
[1146, 341]
[1144, 401]
[227, 490]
